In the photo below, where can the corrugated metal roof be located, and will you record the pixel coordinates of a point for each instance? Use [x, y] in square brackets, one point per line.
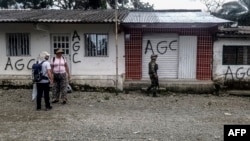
[172, 16]
[240, 32]
[61, 16]
[105, 16]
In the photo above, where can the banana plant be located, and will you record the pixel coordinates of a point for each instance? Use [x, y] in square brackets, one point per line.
[236, 11]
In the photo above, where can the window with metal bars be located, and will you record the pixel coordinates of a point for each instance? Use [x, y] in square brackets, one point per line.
[18, 44]
[236, 55]
[96, 45]
[61, 41]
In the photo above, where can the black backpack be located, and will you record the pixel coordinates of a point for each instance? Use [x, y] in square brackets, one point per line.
[37, 74]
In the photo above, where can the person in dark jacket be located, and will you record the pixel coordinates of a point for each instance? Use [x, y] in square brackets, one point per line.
[152, 71]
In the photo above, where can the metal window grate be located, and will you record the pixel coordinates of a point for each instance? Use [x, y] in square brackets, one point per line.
[61, 41]
[96, 44]
[236, 55]
[204, 56]
[18, 44]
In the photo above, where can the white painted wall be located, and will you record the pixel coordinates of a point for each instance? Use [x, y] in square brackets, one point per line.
[39, 42]
[220, 70]
[91, 70]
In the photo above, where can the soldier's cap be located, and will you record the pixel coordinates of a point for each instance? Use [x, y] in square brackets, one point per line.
[154, 56]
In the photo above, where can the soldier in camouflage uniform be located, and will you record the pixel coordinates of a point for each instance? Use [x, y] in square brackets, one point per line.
[152, 71]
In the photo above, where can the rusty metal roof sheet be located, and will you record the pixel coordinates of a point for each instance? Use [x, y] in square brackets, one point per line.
[172, 16]
[61, 16]
[234, 32]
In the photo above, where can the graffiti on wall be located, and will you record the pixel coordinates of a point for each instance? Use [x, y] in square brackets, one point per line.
[19, 64]
[239, 74]
[161, 47]
[76, 46]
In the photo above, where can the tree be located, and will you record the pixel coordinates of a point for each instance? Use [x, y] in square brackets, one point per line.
[80, 4]
[143, 6]
[212, 5]
[7, 3]
[236, 11]
[26, 4]
[74, 4]
[101, 4]
[36, 4]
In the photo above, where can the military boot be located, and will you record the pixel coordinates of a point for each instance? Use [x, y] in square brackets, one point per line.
[154, 94]
[148, 90]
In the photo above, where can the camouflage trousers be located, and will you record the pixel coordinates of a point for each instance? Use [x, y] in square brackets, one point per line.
[154, 84]
[59, 89]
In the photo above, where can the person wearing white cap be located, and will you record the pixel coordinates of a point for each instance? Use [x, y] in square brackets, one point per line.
[43, 87]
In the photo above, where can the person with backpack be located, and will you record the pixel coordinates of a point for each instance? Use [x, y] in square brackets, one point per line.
[43, 83]
[61, 75]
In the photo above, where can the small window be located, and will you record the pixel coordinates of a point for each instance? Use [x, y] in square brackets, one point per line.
[61, 41]
[18, 44]
[236, 55]
[96, 44]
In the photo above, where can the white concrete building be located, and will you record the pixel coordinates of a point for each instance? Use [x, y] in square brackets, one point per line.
[88, 40]
[183, 40]
[231, 59]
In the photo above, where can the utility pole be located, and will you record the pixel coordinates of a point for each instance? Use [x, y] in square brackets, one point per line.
[116, 46]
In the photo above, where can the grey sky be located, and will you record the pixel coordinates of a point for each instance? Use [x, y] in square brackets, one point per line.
[176, 4]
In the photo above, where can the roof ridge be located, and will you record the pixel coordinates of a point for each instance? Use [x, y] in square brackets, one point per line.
[15, 9]
[169, 10]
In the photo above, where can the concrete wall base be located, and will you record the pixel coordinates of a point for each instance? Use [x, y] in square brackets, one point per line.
[179, 86]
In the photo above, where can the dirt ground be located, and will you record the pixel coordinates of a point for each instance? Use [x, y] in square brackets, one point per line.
[95, 116]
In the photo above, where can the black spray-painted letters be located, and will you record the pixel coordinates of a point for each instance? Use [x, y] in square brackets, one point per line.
[76, 46]
[240, 73]
[161, 47]
[19, 65]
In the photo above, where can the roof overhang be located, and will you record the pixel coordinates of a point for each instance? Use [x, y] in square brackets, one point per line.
[222, 35]
[169, 25]
[234, 32]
